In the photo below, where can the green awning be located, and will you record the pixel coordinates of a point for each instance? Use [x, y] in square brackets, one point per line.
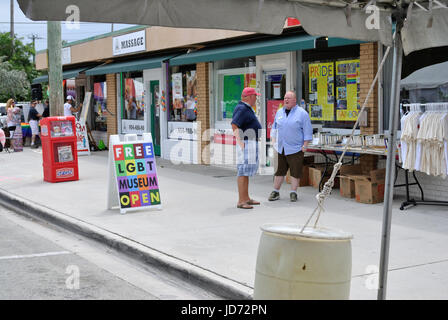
[256, 48]
[133, 65]
[40, 79]
[252, 48]
[65, 75]
[337, 42]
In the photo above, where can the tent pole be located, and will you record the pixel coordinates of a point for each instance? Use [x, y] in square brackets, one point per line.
[390, 166]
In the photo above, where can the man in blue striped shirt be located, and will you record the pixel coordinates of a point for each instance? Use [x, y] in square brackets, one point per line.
[290, 134]
[246, 127]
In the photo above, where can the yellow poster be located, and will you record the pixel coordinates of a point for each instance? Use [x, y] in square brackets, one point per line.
[347, 90]
[321, 93]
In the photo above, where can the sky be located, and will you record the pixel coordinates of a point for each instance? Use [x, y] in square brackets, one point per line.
[24, 28]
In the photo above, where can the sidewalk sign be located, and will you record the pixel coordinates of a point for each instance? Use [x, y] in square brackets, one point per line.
[82, 139]
[85, 106]
[132, 174]
[81, 128]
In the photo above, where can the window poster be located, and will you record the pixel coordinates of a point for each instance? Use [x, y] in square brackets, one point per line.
[272, 107]
[321, 93]
[178, 97]
[233, 87]
[71, 88]
[347, 90]
[134, 99]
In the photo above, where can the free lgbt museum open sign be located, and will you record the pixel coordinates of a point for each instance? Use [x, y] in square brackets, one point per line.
[136, 175]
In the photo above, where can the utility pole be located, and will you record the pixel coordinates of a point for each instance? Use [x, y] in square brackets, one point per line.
[12, 25]
[54, 46]
[33, 37]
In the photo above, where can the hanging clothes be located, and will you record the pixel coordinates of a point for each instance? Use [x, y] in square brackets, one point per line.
[424, 140]
[409, 127]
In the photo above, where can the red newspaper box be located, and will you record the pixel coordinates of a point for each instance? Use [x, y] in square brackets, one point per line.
[59, 149]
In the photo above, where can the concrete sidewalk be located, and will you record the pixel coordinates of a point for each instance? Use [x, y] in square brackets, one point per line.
[201, 235]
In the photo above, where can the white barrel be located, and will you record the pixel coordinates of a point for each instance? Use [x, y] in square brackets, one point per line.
[315, 264]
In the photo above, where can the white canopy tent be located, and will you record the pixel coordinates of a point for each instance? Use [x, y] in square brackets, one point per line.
[418, 24]
[427, 78]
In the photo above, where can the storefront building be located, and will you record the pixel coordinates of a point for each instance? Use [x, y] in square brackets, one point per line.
[186, 100]
[184, 89]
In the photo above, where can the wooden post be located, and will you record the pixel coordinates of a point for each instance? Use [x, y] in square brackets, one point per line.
[55, 68]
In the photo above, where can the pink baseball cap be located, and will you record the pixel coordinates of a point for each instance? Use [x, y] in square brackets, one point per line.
[249, 91]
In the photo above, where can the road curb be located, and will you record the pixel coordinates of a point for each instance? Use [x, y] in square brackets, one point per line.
[210, 281]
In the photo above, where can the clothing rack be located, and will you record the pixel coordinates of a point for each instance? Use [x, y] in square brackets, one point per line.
[423, 107]
[433, 106]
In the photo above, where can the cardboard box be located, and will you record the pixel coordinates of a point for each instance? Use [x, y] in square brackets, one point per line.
[346, 182]
[347, 186]
[354, 169]
[370, 188]
[315, 175]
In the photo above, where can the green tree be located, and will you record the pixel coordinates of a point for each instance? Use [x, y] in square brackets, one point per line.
[19, 59]
[13, 83]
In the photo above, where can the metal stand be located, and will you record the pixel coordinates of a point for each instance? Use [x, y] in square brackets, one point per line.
[412, 202]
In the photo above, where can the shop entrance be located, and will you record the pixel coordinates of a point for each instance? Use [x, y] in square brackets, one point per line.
[155, 115]
[274, 91]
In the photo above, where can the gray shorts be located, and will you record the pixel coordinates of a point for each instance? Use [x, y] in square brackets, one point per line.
[34, 127]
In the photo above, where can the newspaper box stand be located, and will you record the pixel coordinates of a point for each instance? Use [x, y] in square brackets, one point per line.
[59, 149]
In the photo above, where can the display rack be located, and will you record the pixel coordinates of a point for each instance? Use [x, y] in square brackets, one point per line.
[438, 106]
[412, 202]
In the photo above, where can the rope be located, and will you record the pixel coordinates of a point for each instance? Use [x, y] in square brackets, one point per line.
[328, 186]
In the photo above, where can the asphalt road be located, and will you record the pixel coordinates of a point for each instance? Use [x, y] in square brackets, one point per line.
[41, 262]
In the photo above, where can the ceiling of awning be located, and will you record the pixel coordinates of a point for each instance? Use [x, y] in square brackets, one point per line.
[426, 25]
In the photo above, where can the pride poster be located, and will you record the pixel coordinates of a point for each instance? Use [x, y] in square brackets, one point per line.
[136, 175]
[321, 87]
[347, 86]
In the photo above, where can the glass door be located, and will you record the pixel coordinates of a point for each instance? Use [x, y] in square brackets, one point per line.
[274, 91]
[155, 115]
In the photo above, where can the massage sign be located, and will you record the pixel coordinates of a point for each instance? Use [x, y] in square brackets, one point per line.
[136, 175]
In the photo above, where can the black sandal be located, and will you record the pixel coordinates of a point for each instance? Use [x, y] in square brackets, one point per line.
[244, 206]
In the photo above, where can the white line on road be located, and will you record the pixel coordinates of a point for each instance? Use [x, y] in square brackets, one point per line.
[46, 254]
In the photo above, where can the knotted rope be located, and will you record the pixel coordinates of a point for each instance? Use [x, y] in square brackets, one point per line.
[328, 186]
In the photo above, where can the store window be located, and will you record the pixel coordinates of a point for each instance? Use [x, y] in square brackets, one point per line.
[230, 78]
[133, 96]
[331, 86]
[183, 104]
[100, 103]
[133, 103]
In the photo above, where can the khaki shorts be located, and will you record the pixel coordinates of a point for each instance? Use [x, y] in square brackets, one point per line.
[293, 162]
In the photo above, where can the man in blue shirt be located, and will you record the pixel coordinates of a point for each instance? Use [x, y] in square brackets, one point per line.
[246, 126]
[291, 133]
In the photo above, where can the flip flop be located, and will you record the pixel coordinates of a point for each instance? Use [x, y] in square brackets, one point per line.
[244, 206]
[253, 202]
